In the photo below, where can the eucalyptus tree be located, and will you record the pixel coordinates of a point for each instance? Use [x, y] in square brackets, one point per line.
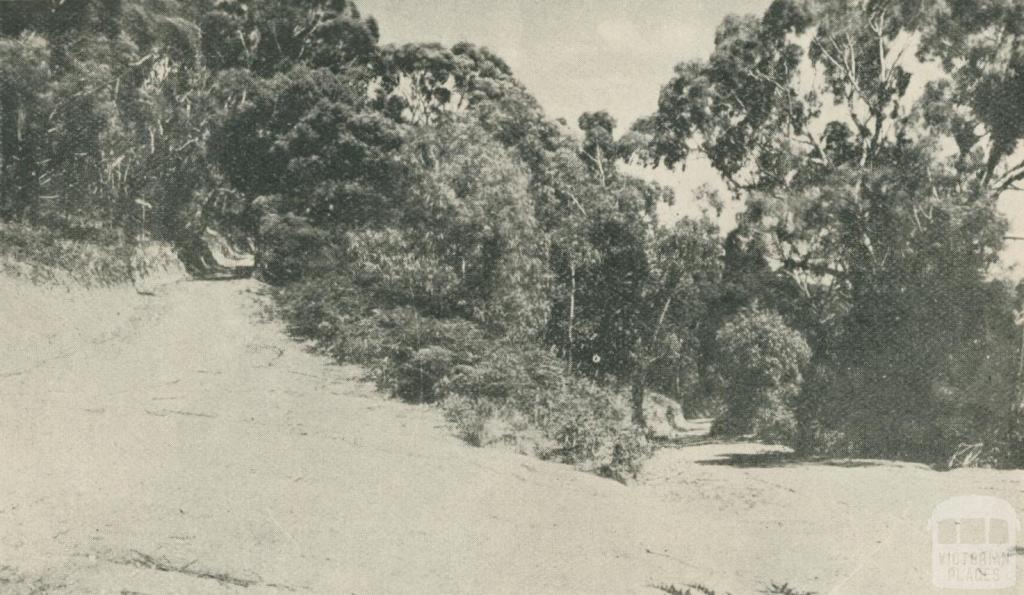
[272, 36]
[870, 141]
[421, 82]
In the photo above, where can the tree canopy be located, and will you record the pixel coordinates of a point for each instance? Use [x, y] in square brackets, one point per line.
[865, 140]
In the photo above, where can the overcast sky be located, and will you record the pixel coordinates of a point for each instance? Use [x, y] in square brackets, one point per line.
[587, 55]
[580, 55]
[574, 55]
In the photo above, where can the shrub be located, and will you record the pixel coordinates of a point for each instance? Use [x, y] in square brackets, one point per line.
[417, 378]
[490, 389]
[321, 308]
[630, 449]
[289, 248]
[470, 211]
[402, 271]
[469, 418]
[581, 422]
[761, 359]
[77, 256]
[575, 421]
[419, 352]
[562, 418]
[511, 375]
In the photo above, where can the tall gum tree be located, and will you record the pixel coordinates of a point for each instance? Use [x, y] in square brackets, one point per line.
[870, 141]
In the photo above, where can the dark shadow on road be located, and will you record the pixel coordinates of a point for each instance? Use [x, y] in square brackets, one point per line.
[223, 273]
[765, 460]
[687, 440]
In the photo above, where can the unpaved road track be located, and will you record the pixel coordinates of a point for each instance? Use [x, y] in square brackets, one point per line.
[176, 444]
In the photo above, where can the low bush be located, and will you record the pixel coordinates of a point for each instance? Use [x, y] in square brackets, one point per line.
[290, 247]
[575, 421]
[402, 271]
[491, 390]
[316, 310]
[74, 257]
[471, 420]
[88, 258]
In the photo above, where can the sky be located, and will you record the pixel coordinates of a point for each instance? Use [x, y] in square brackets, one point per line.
[588, 55]
[573, 55]
[582, 55]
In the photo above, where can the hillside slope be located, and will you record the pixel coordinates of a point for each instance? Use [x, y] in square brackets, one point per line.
[179, 444]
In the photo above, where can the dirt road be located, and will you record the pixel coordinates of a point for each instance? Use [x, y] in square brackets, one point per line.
[177, 444]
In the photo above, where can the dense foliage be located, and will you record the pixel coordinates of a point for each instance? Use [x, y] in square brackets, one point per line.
[765, 359]
[870, 142]
[423, 217]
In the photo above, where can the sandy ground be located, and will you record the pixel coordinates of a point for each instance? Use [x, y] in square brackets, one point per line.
[178, 444]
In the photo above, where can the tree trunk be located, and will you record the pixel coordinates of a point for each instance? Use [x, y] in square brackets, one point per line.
[8, 151]
[639, 390]
[1020, 379]
[572, 311]
[680, 397]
